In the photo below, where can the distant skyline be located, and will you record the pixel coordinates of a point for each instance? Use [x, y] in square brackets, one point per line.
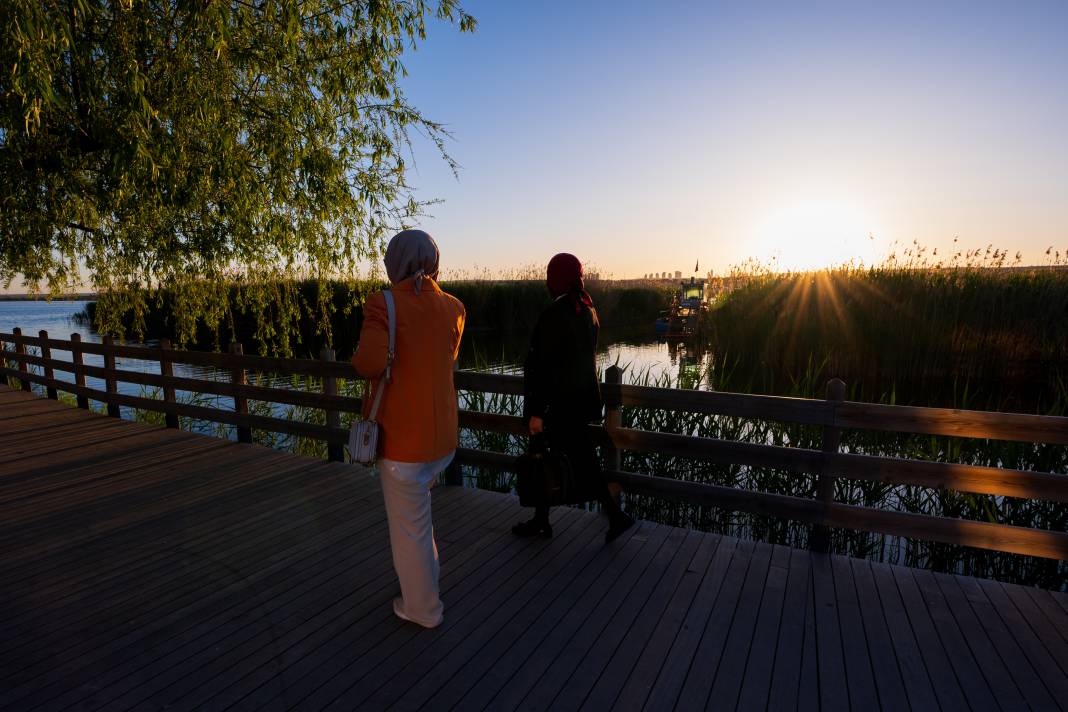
[643, 137]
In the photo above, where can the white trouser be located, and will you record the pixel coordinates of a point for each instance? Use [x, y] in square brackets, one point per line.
[406, 491]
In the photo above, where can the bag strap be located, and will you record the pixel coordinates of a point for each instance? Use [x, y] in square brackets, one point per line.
[391, 313]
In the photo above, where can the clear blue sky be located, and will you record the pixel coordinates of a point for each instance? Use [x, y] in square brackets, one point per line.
[643, 136]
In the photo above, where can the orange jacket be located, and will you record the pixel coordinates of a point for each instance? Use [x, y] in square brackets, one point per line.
[417, 415]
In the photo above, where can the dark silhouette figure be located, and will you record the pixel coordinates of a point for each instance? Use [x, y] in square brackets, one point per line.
[561, 394]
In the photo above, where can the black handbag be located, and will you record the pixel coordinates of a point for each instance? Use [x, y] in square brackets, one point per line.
[544, 478]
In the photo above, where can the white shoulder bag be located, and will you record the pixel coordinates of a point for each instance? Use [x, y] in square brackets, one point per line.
[363, 437]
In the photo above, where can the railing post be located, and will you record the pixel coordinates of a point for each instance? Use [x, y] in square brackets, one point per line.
[109, 380]
[46, 354]
[20, 349]
[832, 438]
[167, 371]
[4, 361]
[613, 420]
[238, 379]
[79, 373]
[334, 451]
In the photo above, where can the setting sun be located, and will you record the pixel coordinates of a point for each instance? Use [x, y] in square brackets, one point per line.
[814, 234]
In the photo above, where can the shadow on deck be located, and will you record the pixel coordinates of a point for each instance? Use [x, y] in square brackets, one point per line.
[145, 568]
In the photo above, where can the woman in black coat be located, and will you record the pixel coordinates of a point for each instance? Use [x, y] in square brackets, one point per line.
[561, 394]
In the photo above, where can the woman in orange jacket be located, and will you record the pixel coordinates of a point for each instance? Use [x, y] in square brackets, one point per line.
[417, 413]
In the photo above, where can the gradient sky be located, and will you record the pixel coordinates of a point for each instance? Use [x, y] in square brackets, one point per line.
[645, 136]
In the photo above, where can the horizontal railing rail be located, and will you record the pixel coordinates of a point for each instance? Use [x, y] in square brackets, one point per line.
[827, 464]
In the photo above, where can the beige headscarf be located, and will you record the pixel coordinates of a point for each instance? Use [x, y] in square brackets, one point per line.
[412, 253]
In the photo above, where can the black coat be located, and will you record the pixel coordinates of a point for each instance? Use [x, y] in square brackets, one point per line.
[560, 372]
[560, 386]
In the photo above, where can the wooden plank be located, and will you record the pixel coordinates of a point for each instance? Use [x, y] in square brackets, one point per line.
[885, 662]
[565, 643]
[24, 450]
[479, 537]
[222, 388]
[531, 647]
[639, 683]
[863, 693]
[965, 478]
[488, 382]
[105, 503]
[116, 547]
[1061, 599]
[124, 495]
[1039, 622]
[755, 686]
[19, 356]
[743, 405]
[118, 600]
[983, 652]
[229, 619]
[673, 672]
[955, 476]
[597, 681]
[961, 532]
[417, 686]
[51, 592]
[139, 509]
[159, 628]
[492, 422]
[128, 642]
[913, 633]
[258, 422]
[615, 608]
[786, 671]
[265, 364]
[698, 493]
[357, 679]
[719, 451]
[999, 537]
[1003, 656]
[1045, 665]
[706, 661]
[920, 592]
[808, 689]
[830, 660]
[230, 622]
[85, 464]
[954, 423]
[46, 356]
[387, 696]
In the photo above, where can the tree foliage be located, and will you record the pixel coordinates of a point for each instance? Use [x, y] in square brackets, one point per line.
[194, 145]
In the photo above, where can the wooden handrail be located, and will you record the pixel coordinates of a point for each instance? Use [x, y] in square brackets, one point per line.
[829, 463]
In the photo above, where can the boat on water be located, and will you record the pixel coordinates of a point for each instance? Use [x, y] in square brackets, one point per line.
[686, 313]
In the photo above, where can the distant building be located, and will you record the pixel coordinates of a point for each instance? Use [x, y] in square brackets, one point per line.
[678, 274]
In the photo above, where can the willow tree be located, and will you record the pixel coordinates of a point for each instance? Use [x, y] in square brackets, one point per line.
[192, 145]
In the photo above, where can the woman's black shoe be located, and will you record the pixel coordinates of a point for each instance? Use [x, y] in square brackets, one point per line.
[533, 528]
[617, 526]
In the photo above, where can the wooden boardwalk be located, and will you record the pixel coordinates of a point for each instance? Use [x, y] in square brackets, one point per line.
[145, 568]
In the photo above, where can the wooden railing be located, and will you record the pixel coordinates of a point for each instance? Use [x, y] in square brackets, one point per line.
[828, 463]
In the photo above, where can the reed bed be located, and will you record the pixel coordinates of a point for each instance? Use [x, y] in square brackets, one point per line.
[974, 334]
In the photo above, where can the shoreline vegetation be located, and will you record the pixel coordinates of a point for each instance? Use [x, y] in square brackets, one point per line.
[298, 318]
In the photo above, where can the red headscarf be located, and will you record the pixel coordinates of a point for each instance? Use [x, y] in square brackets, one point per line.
[564, 276]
